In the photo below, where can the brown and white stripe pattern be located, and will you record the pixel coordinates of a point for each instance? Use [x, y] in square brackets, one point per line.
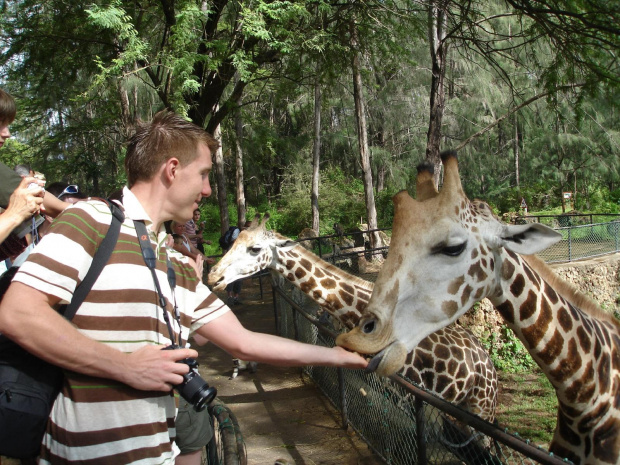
[99, 420]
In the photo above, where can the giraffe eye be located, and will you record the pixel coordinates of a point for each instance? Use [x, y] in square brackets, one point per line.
[255, 250]
[453, 250]
[368, 327]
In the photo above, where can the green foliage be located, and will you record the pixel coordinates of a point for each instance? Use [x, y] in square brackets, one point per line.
[341, 200]
[507, 352]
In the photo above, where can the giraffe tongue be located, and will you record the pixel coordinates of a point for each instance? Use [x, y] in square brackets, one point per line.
[389, 360]
[374, 362]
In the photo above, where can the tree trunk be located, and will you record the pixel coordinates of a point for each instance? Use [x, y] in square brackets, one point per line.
[316, 156]
[220, 181]
[239, 162]
[438, 48]
[381, 177]
[362, 136]
[516, 152]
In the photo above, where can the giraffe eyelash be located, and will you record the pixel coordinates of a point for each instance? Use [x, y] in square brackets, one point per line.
[450, 251]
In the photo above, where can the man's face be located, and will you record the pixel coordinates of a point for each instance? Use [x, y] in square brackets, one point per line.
[190, 185]
[4, 133]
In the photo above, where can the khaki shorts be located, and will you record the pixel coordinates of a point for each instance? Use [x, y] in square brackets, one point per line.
[194, 429]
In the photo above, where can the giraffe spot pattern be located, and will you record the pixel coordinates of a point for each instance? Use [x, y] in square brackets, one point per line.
[534, 333]
[333, 302]
[449, 307]
[517, 286]
[604, 438]
[532, 278]
[565, 431]
[592, 418]
[465, 295]
[529, 307]
[564, 319]
[569, 364]
[507, 311]
[307, 286]
[584, 384]
[307, 264]
[584, 339]
[346, 297]
[455, 285]
[604, 371]
[552, 349]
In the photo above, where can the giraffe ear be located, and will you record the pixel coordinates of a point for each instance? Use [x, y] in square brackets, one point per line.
[528, 239]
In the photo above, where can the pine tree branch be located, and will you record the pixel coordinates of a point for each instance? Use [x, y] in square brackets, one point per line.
[512, 111]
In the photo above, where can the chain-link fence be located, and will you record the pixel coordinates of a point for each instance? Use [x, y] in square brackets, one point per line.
[579, 241]
[401, 422]
[583, 241]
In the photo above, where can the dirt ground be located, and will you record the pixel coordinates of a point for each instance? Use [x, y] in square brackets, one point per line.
[283, 416]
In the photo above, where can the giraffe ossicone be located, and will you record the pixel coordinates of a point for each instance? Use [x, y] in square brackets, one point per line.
[447, 253]
[451, 363]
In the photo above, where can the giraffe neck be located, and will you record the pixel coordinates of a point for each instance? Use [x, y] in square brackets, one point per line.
[342, 294]
[578, 351]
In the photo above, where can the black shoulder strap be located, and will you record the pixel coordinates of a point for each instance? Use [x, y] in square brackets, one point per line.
[102, 255]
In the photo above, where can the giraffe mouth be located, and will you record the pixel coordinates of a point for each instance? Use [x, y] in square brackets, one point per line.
[389, 360]
[217, 284]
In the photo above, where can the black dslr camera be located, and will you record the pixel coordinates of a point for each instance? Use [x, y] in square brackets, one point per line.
[194, 389]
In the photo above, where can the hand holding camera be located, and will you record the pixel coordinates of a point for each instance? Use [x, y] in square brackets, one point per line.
[194, 389]
[25, 201]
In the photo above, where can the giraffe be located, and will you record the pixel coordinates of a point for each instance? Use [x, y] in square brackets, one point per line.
[451, 363]
[446, 254]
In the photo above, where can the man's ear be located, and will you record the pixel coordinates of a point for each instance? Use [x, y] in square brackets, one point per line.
[171, 166]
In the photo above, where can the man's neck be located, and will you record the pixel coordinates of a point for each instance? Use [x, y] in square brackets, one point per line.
[151, 200]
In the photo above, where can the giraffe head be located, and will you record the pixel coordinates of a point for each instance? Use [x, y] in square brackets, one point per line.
[445, 255]
[252, 251]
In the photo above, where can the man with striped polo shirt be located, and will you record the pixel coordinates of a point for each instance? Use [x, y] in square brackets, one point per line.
[117, 403]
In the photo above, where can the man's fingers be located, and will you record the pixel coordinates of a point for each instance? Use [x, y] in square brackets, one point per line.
[180, 354]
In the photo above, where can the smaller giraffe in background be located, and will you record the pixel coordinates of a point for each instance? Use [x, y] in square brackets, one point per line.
[450, 363]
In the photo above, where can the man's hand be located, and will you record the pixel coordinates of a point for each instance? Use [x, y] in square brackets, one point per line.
[151, 368]
[25, 201]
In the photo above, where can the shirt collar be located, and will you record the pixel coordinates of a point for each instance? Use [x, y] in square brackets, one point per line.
[135, 211]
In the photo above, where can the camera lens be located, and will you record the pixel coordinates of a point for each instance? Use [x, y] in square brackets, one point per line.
[196, 391]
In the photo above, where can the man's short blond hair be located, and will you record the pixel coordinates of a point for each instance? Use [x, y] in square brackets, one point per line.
[168, 135]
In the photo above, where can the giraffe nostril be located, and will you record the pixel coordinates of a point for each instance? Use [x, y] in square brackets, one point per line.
[368, 327]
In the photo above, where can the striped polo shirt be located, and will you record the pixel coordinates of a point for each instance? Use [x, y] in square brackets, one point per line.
[102, 421]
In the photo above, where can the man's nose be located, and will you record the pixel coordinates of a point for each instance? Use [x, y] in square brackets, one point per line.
[206, 189]
[4, 132]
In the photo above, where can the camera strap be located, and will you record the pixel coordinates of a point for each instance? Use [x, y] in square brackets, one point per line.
[149, 258]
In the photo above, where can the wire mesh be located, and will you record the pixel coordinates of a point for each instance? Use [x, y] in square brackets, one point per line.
[398, 421]
[583, 241]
